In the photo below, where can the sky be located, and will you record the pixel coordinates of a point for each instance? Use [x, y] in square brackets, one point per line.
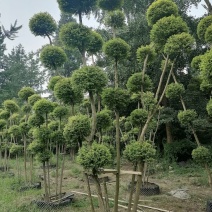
[23, 10]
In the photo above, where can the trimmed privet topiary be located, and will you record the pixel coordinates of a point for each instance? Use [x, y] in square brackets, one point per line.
[175, 90]
[201, 155]
[53, 81]
[11, 106]
[25, 93]
[187, 117]
[195, 63]
[138, 117]
[149, 100]
[77, 128]
[94, 157]
[42, 24]
[89, 79]
[4, 114]
[143, 51]
[209, 107]
[36, 120]
[179, 44]
[65, 92]
[95, 43]
[43, 107]
[202, 26]
[115, 19]
[115, 99]
[110, 5]
[160, 9]
[34, 98]
[117, 49]
[53, 57]
[208, 37]
[134, 83]
[165, 28]
[103, 120]
[139, 152]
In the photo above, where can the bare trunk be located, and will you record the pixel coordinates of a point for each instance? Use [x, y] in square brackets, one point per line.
[169, 138]
[46, 197]
[25, 158]
[107, 206]
[89, 192]
[57, 168]
[118, 158]
[116, 74]
[62, 170]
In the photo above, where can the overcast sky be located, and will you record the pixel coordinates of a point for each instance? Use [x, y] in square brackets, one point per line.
[23, 10]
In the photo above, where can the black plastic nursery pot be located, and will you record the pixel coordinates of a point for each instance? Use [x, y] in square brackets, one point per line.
[209, 206]
[36, 185]
[147, 189]
[66, 199]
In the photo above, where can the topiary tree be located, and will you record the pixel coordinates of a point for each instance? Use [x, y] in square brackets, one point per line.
[138, 153]
[110, 5]
[33, 98]
[175, 91]
[66, 93]
[52, 82]
[203, 156]
[116, 99]
[77, 7]
[160, 9]
[202, 27]
[117, 49]
[73, 35]
[42, 24]
[93, 158]
[43, 107]
[209, 107]
[115, 20]
[90, 79]
[53, 57]
[25, 93]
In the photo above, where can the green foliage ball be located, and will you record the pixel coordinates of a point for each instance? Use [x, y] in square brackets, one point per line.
[53, 57]
[195, 63]
[60, 111]
[95, 43]
[24, 127]
[52, 82]
[3, 124]
[94, 157]
[103, 120]
[15, 131]
[42, 134]
[89, 79]
[174, 90]
[116, 99]
[187, 117]
[201, 155]
[166, 27]
[139, 152]
[34, 147]
[143, 51]
[77, 128]
[117, 49]
[34, 98]
[4, 114]
[138, 117]
[110, 5]
[11, 106]
[149, 100]
[44, 156]
[25, 93]
[76, 6]
[115, 19]
[36, 120]
[42, 24]
[16, 149]
[160, 9]
[179, 44]
[134, 83]
[26, 108]
[43, 106]
[202, 27]
[208, 37]
[65, 92]
[75, 35]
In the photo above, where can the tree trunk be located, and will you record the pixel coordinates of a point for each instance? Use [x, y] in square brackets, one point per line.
[107, 206]
[46, 198]
[89, 192]
[25, 158]
[57, 169]
[94, 119]
[62, 170]
[138, 188]
[118, 158]
[169, 138]
[116, 83]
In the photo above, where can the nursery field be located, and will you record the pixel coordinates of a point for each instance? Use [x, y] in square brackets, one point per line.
[186, 176]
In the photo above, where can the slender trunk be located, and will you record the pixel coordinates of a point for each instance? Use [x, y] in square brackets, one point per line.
[99, 102]
[92, 58]
[131, 190]
[107, 206]
[62, 170]
[57, 169]
[195, 136]
[94, 119]
[89, 192]
[48, 174]
[99, 192]
[209, 174]
[80, 17]
[138, 188]
[46, 198]
[161, 78]
[31, 158]
[114, 32]
[83, 58]
[72, 110]
[50, 41]
[116, 74]
[25, 158]
[169, 138]
[118, 158]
